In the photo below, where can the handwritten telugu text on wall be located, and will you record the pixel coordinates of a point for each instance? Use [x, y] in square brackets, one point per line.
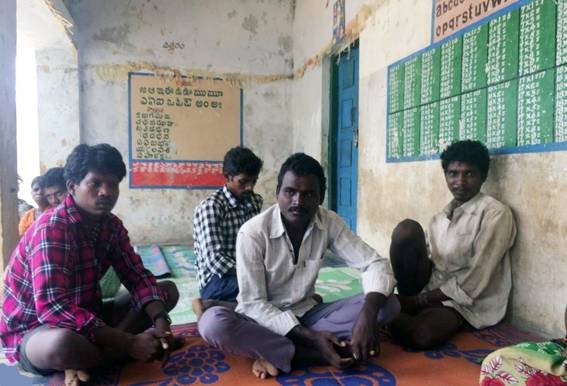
[180, 130]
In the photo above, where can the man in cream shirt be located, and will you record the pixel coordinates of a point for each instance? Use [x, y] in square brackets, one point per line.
[278, 257]
[465, 277]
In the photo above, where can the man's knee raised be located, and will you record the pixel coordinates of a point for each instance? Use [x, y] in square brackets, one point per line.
[61, 349]
[406, 230]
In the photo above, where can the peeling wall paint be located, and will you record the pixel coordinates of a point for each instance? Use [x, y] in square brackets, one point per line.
[247, 43]
[119, 73]
[118, 35]
[62, 17]
[216, 35]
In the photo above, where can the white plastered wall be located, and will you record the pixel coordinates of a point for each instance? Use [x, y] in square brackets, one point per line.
[532, 184]
[8, 180]
[247, 41]
[46, 28]
[58, 104]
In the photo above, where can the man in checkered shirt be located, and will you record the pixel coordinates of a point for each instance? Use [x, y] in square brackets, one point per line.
[52, 317]
[216, 222]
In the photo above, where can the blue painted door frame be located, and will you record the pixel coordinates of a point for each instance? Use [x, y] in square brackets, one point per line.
[344, 136]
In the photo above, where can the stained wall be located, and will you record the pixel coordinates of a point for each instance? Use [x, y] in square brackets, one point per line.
[532, 184]
[57, 104]
[247, 42]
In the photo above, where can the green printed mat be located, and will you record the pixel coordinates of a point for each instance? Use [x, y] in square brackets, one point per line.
[188, 290]
[181, 262]
[336, 283]
[333, 283]
[180, 259]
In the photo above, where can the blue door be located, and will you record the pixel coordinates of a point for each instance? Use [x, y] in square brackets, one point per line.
[346, 144]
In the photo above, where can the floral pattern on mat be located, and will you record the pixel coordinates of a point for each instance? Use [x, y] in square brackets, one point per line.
[369, 374]
[198, 364]
[451, 350]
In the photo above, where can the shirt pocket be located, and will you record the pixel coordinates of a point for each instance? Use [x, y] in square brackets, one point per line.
[460, 255]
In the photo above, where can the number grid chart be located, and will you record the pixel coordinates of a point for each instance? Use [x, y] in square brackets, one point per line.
[502, 82]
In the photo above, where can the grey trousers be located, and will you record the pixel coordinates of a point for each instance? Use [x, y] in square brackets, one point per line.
[238, 334]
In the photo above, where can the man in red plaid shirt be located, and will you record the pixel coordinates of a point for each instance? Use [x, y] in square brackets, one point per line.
[53, 317]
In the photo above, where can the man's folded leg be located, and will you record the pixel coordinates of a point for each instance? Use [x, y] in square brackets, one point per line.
[339, 317]
[237, 334]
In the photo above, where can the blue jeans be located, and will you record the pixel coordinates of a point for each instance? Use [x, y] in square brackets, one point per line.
[221, 288]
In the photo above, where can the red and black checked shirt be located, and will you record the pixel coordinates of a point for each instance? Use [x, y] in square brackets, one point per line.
[54, 272]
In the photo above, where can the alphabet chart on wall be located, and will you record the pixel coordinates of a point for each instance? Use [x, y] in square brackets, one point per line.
[502, 82]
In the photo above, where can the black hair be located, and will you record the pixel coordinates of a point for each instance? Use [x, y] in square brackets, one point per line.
[102, 158]
[468, 151]
[37, 180]
[301, 164]
[54, 177]
[241, 160]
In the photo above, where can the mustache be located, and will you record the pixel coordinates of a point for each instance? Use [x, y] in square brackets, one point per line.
[297, 209]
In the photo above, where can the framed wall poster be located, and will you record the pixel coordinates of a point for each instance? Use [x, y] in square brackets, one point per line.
[180, 129]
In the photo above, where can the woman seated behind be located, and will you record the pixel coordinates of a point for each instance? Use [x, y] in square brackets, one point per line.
[32, 214]
[531, 364]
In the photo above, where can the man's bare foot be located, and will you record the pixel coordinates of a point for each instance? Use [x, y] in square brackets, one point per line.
[198, 307]
[264, 369]
[75, 377]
